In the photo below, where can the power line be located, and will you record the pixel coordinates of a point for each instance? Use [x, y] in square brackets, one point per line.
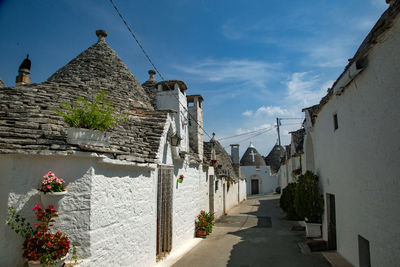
[246, 133]
[265, 131]
[155, 68]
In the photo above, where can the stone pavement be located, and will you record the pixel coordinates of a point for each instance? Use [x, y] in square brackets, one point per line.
[253, 234]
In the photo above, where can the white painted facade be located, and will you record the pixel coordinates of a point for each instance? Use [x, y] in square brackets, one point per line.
[286, 170]
[110, 210]
[267, 182]
[359, 161]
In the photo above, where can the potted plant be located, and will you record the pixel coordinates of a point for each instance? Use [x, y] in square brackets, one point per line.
[52, 190]
[309, 203]
[211, 220]
[204, 223]
[89, 121]
[180, 179]
[201, 225]
[41, 247]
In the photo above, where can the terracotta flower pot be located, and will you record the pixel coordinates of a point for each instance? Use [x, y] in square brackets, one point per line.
[201, 233]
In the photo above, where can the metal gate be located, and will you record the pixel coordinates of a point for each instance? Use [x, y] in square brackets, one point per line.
[164, 211]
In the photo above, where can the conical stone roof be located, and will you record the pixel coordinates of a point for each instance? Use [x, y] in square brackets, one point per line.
[99, 67]
[252, 158]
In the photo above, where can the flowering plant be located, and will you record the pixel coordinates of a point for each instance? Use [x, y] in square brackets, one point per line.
[205, 221]
[51, 183]
[181, 176]
[40, 244]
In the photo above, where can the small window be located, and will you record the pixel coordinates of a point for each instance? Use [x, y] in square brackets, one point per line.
[335, 122]
[216, 186]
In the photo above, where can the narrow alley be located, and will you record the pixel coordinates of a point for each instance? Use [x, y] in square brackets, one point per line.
[252, 234]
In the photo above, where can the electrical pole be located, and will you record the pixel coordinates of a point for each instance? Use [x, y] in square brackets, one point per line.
[277, 128]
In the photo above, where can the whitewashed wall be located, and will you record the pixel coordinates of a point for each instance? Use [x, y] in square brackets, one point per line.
[267, 183]
[21, 175]
[359, 162]
[218, 197]
[123, 216]
[286, 170]
[242, 190]
[231, 195]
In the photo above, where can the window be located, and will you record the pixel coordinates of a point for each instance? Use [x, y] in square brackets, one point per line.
[216, 185]
[335, 122]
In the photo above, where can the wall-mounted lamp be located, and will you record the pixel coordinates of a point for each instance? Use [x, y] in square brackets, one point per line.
[175, 140]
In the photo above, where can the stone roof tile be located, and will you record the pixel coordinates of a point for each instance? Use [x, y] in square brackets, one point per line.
[30, 125]
[252, 158]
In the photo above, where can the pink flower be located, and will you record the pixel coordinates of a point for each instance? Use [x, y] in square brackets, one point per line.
[50, 173]
[48, 244]
[37, 207]
[36, 225]
[49, 186]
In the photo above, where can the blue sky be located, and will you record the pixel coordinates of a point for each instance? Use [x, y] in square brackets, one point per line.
[252, 61]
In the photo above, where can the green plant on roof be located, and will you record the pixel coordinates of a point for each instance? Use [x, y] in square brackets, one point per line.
[98, 115]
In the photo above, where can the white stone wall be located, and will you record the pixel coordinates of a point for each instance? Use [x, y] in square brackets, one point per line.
[242, 190]
[20, 177]
[218, 197]
[231, 195]
[123, 216]
[358, 162]
[169, 100]
[267, 183]
[286, 170]
[186, 202]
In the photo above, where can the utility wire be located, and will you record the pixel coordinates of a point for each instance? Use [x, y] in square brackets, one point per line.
[265, 131]
[246, 133]
[155, 68]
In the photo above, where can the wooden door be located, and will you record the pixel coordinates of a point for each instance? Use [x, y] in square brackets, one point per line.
[254, 186]
[331, 216]
[223, 198]
[164, 210]
[211, 193]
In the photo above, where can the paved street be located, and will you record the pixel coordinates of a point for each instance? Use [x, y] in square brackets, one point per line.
[253, 234]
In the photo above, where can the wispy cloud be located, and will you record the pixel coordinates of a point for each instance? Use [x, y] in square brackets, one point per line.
[256, 73]
[305, 89]
[247, 113]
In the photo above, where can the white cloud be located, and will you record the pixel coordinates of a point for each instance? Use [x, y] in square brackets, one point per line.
[256, 73]
[271, 111]
[304, 89]
[247, 113]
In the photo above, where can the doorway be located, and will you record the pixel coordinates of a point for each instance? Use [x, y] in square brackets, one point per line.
[254, 186]
[164, 211]
[331, 217]
[211, 194]
[223, 198]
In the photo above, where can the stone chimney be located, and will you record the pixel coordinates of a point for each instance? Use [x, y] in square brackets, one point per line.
[235, 158]
[101, 34]
[196, 135]
[23, 72]
[235, 153]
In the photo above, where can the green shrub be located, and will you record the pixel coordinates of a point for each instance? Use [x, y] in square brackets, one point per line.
[308, 202]
[98, 115]
[287, 201]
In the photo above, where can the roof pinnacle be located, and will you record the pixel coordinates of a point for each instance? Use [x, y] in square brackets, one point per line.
[101, 34]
